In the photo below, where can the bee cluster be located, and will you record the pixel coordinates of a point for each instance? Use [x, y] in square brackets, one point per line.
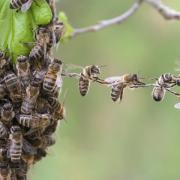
[29, 105]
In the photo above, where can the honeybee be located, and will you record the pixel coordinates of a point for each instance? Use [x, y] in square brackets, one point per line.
[24, 5]
[56, 29]
[16, 144]
[51, 128]
[118, 83]
[40, 154]
[21, 171]
[52, 76]
[164, 83]
[40, 47]
[34, 121]
[7, 113]
[32, 92]
[3, 131]
[13, 86]
[23, 70]
[4, 171]
[58, 109]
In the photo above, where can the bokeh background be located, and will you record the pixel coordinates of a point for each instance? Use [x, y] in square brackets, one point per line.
[137, 139]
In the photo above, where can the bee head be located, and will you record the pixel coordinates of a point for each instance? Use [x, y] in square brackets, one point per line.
[178, 82]
[167, 77]
[7, 107]
[56, 65]
[22, 59]
[95, 69]
[135, 80]
[46, 120]
[2, 54]
[15, 129]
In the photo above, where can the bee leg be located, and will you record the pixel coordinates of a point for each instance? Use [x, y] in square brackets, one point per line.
[173, 92]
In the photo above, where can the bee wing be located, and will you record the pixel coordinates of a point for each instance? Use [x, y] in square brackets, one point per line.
[113, 80]
[177, 105]
[59, 81]
[26, 6]
[28, 148]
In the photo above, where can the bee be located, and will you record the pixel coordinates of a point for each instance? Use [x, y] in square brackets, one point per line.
[56, 29]
[118, 83]
[40, 48]
[34, 121]
[24, 5]
[32, 92]
[52, 76]
[164, 83]
[4, 171]
[13, 86]
[7, 113]
[21, 171]
[3, 131]
[58, 109]
[16, 144]
[23, 70]
[51, 128]
[40, 154]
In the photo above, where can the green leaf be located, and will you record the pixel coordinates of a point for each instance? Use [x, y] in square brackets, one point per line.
[68, 28]
[18, 28]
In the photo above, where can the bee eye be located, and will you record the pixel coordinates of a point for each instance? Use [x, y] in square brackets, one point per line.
[178, 82]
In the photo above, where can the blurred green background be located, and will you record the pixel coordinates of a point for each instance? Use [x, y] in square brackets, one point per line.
[137, 139]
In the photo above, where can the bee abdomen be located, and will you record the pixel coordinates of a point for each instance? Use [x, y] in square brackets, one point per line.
[158, 93]
[24, 120]
[15, 151]
[3, 131]
[11, 81]
[83, 86]
[115, 93]
[27, 106]
[49, 84]
[36, 52]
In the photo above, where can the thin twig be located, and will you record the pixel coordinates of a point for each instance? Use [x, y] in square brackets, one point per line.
[105, 23]
[167, 12]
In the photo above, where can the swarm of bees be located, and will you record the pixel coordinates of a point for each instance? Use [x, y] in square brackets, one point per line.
[29, 105]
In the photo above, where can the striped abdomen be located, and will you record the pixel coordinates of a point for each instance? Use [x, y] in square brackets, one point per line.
[49, 83]
[158, 93]
[3, 131]
[117, 92]
[11, 81]
[16, 149]
[27, 106]
[37, 52]
[83, 86]
[16, 4]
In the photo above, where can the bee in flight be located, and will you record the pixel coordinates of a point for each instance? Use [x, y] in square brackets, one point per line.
[89, 74]
[164, 83]
[23, 5]
[118, 83]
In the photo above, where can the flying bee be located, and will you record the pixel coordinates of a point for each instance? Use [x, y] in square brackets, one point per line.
[23, 70]
[13, 86]
[7, 113]
[24, 5]
[58, 109]
[16, 144]
[118, 83]
[40, 47]
[34, 121]
[52, 76]
[32, 92]
[3, 131]
[4, 171]
[164, 83]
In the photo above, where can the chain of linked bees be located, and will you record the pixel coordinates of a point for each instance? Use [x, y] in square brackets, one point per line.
[29, 107]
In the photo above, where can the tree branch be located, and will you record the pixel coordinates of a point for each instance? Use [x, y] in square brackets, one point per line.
[167, 12]
[105, 23]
